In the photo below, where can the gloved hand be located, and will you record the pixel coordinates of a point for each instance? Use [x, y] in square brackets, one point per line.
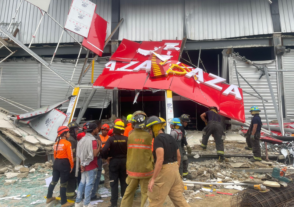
[189, 150]
[252, 137]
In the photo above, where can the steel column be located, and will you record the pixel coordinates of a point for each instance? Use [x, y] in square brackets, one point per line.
[85, 106]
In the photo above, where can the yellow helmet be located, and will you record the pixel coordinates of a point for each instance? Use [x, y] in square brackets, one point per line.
[119, 125]
[129, 117]
[163, 120]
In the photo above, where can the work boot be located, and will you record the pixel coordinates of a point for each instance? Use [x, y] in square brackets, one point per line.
[221, 158]
[67, 204]
[80, 204]
[49, 200]
[247, 148]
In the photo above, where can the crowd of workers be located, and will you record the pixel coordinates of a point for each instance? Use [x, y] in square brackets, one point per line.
[138, 153]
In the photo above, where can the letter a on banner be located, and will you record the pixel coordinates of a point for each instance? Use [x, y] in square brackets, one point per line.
[42, 4]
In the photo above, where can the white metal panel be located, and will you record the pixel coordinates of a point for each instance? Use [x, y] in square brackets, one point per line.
[55, 90]
[286, 10]
[252, 76]
[218, 19]
[151, 20]
[49, 32]
[288, 64]
[19, 83]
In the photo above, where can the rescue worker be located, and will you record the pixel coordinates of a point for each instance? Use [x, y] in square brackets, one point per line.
[177, 134]
[116, 149]
[129, 125]
[139, 160]
[185, 119]
[213, 127]
[253, 134]
[72, 182]
[110, 132]
[166, 180]
[62, 166]
[104, 137]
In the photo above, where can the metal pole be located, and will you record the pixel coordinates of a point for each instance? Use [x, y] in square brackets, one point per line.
[13, 105]
[16, 103]
[56, 47]
[82, 71]
[103, 105]
[85, 106]
[218, 66]
[76, 63]
[199, 58]
[237, 74]
[274, 99]
[7, 56]
[16, 13]
[37, 29]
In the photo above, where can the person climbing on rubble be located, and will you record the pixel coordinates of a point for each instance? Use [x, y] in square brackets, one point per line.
[72, 182]
[185, 119]
[88, 149]
[213, 127]
[253, 134]
[129, 125]
[177, 134]
[62, 166]
[116, 149]
[139, 160]
[166, 180]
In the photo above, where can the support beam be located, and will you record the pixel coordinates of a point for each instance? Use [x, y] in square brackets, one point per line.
[169, 109]
[85, 106]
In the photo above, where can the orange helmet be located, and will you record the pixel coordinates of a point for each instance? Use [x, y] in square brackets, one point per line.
[62, 129]
[105, 127]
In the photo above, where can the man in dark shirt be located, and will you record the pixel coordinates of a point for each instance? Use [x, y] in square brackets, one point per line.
[166, 180]
[253, 134]
[213, 121]
[185, 119]
[116, 148]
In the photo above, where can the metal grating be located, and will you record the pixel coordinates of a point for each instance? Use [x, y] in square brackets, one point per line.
[218, 19]
[29, 16]
[153, 20]
[288, 77]
[252, 76]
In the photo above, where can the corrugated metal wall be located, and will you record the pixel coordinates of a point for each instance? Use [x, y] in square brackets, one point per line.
[288, 64]
[49, 32]
[216, 19]
[19, 83]
[55, 90]
[252, 76]
[286, 9]
[152, 20]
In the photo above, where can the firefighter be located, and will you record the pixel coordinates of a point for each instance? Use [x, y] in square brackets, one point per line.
[177, 134]
[72, 182]
[185, 119]
[129, 125]
[213, 127]
[62, 167]
[139, 160]
[166, 180]
[116, 149]
[253, 134]
[104, 137]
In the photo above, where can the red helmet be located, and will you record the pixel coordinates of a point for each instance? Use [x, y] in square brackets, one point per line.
[62, 129]
[85, 126]
[117, 120]
[105, 126]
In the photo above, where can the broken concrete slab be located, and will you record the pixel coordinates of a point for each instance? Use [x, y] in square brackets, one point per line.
[239, 164]
[10, 152]
[3, 170]
[11, 175]
[24, 170]
[22, 175]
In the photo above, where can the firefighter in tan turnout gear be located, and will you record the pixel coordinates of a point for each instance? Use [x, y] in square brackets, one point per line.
[139, 160]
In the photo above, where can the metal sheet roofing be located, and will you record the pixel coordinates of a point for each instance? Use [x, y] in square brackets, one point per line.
[153, 20]
[217, 19]
[286, 10]
[29, 16]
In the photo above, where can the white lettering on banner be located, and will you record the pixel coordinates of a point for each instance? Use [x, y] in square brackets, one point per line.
[146, 65]
[212, 83]
[233, 90]
[171, 46]
[112, 65]
[126, 66]
[198, 72]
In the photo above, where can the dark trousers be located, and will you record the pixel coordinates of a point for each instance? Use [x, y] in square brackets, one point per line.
[61, 169]
[254, 145]
[214, 128]
[72, 185]
[117, 171]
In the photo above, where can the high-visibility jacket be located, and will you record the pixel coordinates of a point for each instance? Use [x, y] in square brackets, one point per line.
[63, 151]
[139, 157]
[128, 129]
[103, 139]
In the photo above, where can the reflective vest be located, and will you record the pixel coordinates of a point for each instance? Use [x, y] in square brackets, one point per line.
[139, 157]
[103, 139]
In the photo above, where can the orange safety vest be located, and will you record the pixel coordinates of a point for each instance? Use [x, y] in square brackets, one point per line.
[103, 139]
[128, 129]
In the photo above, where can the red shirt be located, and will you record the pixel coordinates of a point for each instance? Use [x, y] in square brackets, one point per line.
[81, 135]
[94, 163]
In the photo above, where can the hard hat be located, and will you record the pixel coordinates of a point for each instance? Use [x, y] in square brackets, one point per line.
[175, 122]
[138, 121]
[185, 118]
[139, 112]
[73, 125]
[153, 120]
[163, 121]
[254, 108]
[105, 127]
[119, 125]
[129, 117]
[117, 120]
[62, 129]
